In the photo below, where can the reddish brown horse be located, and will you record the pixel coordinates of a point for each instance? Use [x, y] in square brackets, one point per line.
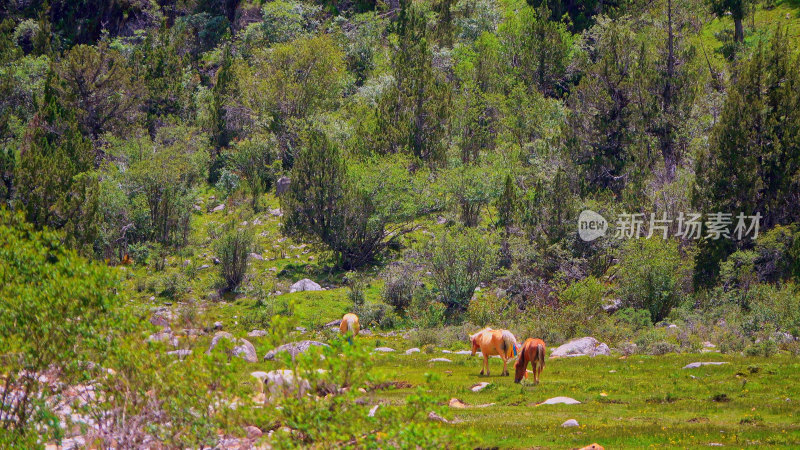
[533, 350]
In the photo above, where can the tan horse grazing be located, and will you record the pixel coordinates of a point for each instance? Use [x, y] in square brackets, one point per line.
[494, 342]
[532, 350]
[349, 325]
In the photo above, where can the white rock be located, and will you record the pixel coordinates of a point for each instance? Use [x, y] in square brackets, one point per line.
[256, 256]
[439, 360]
[305, 285]
[383, 349]
[373, 410]
[243, 348]
[218, 208]
[412, 350]
[695, 365]
[570, 423]
[560, 400]
[293, 348]
[479, 387]
[586, 346]
[257, 333]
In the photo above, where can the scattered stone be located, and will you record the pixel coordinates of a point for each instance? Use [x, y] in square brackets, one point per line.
[282, 185]
[278, 381]
[412, 350]
[334, 324]
[560, 400]
[695, 365]
[439, 360]
[300, 329]
[183, 353]
[203, 267]
[446, 351]
[218, 208]
[243, 348]
[672, 326]
[612, 306]
[365, 332]
[161, 318]
[218, 325]
[586, 346]
[433, 416]
[781, 337]
[216, 261]
[256, 256]
[463, 352]
[293, 348]
[570, 423]
[253, 432]
[383, 349]
[164, 336]
[305, 285]
[373, 410]
[257, 333]
[480, 386]
[456, 403]
[186, 262]
[715, 444]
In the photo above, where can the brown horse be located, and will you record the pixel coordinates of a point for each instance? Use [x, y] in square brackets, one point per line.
[494, 342]
[533, 350]
[349, 326]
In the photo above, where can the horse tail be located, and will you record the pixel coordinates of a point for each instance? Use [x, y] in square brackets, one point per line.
[540, 355]
[509, 344]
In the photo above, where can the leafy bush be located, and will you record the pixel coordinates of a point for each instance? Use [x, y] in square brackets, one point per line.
[233, 248]
[56, 312]
[325, 207]
[652, 276]
[486, 308]
[400, 285]
[174, 286]
[460, 261]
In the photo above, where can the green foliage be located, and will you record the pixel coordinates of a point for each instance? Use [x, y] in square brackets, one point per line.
[753, 157]
[52, 180]
[459, 262]
[412, 114]
[54, 316]
[287, 20]
[233, 249]
[652, 276]
[255, 161]
[323, 205]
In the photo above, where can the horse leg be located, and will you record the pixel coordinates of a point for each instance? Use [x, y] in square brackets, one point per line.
[485, 368]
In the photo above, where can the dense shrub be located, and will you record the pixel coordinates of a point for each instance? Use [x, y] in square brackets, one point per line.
[487, 308]
[652, 276]
[400, 284]
[459, 262]
[233, 249]
[325, 207]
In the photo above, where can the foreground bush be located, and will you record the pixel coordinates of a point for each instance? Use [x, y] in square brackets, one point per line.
[55, 311]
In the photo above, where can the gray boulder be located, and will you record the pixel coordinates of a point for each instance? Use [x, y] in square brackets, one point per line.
[293, 348]
[439, 360]
[304, 285]
[257, 333]
[242, 347]
[612, 305]
[585, 346]
[383, 349]
[282, 185]
[412, 350]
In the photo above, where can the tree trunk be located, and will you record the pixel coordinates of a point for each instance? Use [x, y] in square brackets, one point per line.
[738, 34]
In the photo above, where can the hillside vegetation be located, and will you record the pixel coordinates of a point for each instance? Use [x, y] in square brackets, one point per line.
[187, 185]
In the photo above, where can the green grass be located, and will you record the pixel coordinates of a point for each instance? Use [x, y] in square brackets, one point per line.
[651, 401]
